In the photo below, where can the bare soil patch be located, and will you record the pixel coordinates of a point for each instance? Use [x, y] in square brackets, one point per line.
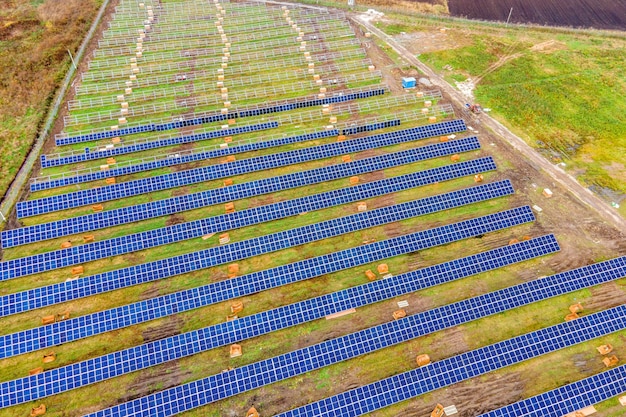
[606, 296]
[473, 397]
[176, 218]
[165, 376]
[167, 327]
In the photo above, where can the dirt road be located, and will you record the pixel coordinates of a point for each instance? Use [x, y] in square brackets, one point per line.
[536, 159]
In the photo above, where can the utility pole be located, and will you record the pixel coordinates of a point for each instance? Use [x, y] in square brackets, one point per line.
[72, 58]
[508, 18]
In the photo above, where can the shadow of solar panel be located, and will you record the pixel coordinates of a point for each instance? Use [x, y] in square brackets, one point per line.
[135, 358]
[178, 179]
[172, 205]
[397, 388]
[184, 231]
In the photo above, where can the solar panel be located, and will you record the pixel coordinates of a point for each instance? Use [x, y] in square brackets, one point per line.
[216, 117]
[369, 128]
[397, 388]
[568, 398]
[100, 153]
[65, 331]
[109, 281]
[181, 159]
[452, 370]
[171, 234]
[172, 205]
[132, 359]
[212, 172]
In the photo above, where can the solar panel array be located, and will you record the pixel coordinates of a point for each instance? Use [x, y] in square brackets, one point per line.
[232, 382]
[568, 398]
[132, 359]
[234, 192]
[388, 391]
[183, 231]
[448, 371]
[368, 128]
[191, 176]
[181, 159]
[218, 117]
[153, 144]
[164, 268]
[67, 332]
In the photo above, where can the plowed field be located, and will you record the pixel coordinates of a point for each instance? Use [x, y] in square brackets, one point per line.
[599, 14]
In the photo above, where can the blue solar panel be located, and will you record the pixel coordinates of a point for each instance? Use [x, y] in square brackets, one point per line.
[67, 332]
[135, 358]
[182, 159]
[89, 155]
[189, 230]
[172, 205]
[452, 370]
[216, 117]
[105, 134]
[109, 281]
[568, 398]
[178, 179]
[368, 128]
[400, 387]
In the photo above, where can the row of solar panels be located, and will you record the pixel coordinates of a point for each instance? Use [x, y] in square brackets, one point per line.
[175, 347]
[218, 117]
[234, 192]
[79, 327]
[440, 374]
[214, 153]
[100, 153]
[183, 231]
[181, 264]
[568, 398]
[213, 172]
[400, 387]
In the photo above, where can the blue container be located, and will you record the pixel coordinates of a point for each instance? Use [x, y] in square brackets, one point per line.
[408, 82]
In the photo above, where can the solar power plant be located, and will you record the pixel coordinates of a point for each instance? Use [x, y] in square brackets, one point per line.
[130, 188]
[121, 278]
[244, 207]
[172, 348]
[371, 397]
[198, 228]
[66, 326]
[106, 219]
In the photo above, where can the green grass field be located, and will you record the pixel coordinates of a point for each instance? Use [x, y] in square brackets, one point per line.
[562, 91]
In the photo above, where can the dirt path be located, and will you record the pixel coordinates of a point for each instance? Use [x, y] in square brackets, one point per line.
[535, 158]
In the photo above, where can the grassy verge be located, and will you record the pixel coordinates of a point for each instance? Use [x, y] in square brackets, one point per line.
[559, 91]
[34, 39]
